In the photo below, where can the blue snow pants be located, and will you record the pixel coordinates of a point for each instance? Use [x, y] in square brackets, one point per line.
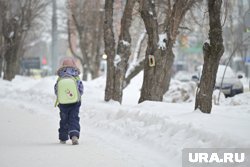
[69, 123]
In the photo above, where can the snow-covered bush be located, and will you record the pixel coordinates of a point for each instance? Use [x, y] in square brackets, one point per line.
[180, 92]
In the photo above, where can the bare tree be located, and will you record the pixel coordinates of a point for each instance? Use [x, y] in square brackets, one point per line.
[117, 61]
[212, 54]
[79, 24]
[123, 50]
[160, 50]
[151, 89]
[87, 18]
[17, 18]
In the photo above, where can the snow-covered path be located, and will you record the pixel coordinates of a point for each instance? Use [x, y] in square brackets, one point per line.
[30, 139]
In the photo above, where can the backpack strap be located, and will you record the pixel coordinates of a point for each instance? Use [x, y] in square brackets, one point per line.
[77, 78]
[56, 103]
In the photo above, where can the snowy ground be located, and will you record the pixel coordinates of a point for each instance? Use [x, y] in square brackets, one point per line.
[151, 134]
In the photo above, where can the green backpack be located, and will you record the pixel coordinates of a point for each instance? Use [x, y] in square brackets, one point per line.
[67, 90]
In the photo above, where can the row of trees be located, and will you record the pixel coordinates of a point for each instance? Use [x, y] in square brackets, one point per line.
[163, 21]
[17, 17]
[162, 34]
[156, 78]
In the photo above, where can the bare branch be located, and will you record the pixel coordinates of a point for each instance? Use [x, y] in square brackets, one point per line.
[226, 12]
[70, 45]
[137, 69]
[185, 28]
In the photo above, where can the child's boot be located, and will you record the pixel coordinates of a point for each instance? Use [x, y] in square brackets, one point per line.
[75, 140]
[62, 142]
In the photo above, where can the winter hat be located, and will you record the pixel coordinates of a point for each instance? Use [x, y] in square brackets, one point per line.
[68, 62]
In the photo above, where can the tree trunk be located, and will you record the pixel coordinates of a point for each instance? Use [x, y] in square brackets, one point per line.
[11, 58]
[1, 54]
[168, 66]
[152, 88]
[212, 55]
[109, 43]
[123, 50]
[157, 78]
[85, 65]
[1, 64]
[97, 34]
[12, 43]
[174, 17]
[20, 53]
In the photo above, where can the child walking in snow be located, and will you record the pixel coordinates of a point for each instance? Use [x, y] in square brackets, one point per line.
[68, 90]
